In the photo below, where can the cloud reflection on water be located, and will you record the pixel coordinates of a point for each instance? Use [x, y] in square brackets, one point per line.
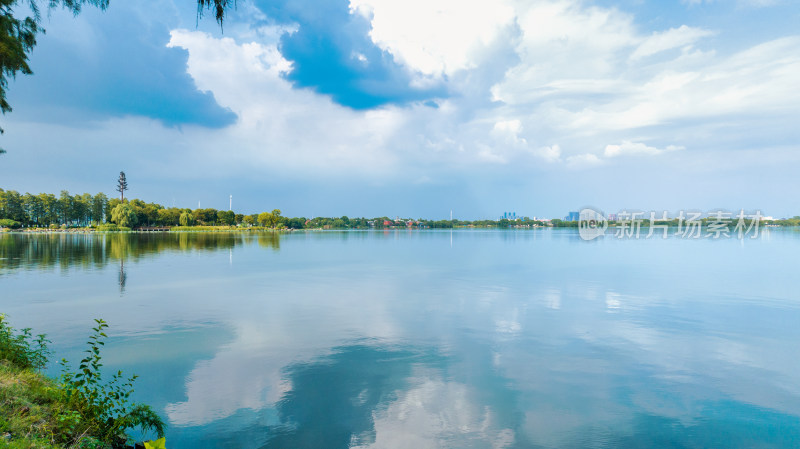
[500, 340]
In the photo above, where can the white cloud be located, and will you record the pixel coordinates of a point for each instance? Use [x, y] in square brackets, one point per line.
[752, 82]
[667, 40]
[585, 160]
[280, 126]
[572, 83]
[582, 74]
[550, 153]
[577, 74]
[508, 131]
[563, 42]
[636, 148]
[590, 73]
[434, 37]
[512, 127]
[745, 3]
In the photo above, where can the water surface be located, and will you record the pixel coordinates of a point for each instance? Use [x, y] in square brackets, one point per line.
[464, 339]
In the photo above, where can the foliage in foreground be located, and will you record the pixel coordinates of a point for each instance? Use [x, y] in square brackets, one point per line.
[21, 349]
[80, 410]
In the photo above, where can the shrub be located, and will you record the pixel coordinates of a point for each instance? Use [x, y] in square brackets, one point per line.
[107, 227]
[106, 404]
[22, 349]
[80, 411]
[8, 223]
[111, 227]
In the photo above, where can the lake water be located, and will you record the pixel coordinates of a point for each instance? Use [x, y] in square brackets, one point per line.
[425, 339]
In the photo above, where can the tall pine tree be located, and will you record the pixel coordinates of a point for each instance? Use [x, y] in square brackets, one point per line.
[122, 185]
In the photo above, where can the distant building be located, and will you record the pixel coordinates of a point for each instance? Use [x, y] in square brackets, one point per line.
[612, 217]
[572, 216]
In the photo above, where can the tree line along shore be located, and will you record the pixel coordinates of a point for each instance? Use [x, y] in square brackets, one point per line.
[87, 213]
[47, 211]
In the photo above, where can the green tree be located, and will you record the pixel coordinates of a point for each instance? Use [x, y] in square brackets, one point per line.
[270, 219]
[50, 208]
[122, 185]
[186, 219]
[265, 218]
[112, 203]
[99, 205]
[124, 215]
[169, 217]
[275, 216]
[296, 223]
[65, 207]
[226, 217]
[205, 216]
[33, 208]
[139, 208]
[150, 213]
[11, 205]
[82, 208]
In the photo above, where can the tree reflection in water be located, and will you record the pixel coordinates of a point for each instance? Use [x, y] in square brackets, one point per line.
[96, 251]
[123, 278]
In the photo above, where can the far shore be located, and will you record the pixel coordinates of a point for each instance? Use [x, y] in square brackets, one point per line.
[179, 229]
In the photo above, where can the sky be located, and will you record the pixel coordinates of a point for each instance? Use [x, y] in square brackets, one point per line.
[417, 108]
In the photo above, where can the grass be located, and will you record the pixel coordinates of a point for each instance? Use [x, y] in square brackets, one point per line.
[78, 410]
[30, 408]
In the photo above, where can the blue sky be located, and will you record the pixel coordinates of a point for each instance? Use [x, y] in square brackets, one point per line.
[378, 107]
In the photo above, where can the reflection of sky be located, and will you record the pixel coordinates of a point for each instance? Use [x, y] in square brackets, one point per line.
[504, 339]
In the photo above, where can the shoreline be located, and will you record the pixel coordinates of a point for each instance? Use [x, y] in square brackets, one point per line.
[199, 229]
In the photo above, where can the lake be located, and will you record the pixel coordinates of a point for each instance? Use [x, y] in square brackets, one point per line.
[429, 339]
